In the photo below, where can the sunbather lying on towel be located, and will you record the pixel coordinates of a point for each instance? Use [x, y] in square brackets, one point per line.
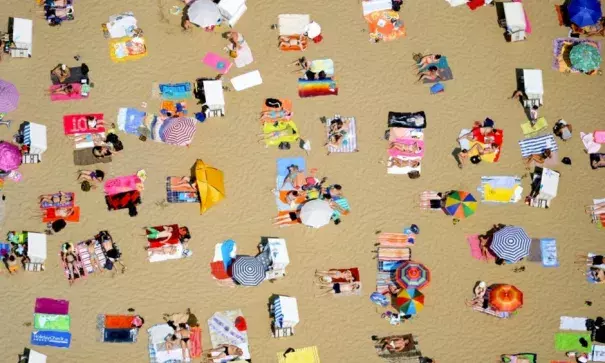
[596, 275]
[276, 135]
[327, 276]
[57, 198]
[591, 259]
[94, 259]
[431, 74]
[401, 163]
[158, 236]
[394, 344]
[287, 41]
[112, 253]
[64, 89]
[423, 61]
[224, 351]
[181, 335]
[292, 176]
[272, 115]
[598, 208]
[481, 150]
[413, 147]
[597, 161]
[338, 288]
[538, 158]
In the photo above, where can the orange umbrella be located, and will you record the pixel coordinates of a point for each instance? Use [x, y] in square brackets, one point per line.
[505, 298]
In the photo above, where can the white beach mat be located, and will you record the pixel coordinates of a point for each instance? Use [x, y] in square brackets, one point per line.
[246, 80]
[293, 24]
[571, 323]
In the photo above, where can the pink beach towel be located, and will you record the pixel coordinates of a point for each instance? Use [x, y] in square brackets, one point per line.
[77, 87]
[527, 23]
[474, 244]
[196, 342]
[45, 305]
[122, 184]
[599, 136]
[77, 124]
[220, 64]
[395, 152]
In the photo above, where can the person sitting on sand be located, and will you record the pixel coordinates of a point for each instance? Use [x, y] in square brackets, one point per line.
[62, 72]
[597, 162]
[579, 357]
[101, 152]
[413, 148]
[94, 259]
[394, 344]
[431, 74]
[335, 141]
[479, 299]
[302, 63]
[519, 95]
[236, 39]
[563, 130]
[596, 275]
[595, 208]
[537, 158]
[328, 276]
[224, 351]
[428, 60]
[338, 288]
[57, 198]
[292, 176]
[288, 41]
[11, 263]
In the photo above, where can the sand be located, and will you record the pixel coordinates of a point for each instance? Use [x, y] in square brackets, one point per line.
[374, 79]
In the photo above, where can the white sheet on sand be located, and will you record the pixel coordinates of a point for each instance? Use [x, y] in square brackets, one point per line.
[293, 24]
[395, 170]
[246, 80]
[244, 55]
[165, 257]
[35, 357]
[571, 323]
[158, 335]
[370, 6]
[598, 201]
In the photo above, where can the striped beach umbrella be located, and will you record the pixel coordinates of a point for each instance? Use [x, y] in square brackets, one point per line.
[511, 244]
[460, 204]
[412, 275]
[409, 301]
[178, 131]
[9, 96]
[248, 271]
[505, 298]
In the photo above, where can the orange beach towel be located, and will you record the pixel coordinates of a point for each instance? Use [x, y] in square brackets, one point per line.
[50, 215]
[196, 342]
[118, 321]
[394, 240]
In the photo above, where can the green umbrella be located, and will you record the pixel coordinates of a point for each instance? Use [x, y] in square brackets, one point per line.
[585, 57]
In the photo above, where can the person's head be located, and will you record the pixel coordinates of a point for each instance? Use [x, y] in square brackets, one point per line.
[535, 107]
[321, 75]
[85, 186]
[182, 325]
[89, 242]
[415, 164]
[238, 351]
[12, 258]
[69, 88]
[293, 168]
[184, 233]
[356, 286]
[101, 151]
[414, 174]
[499, 261]
[132, 210]
[100, 175]
[348, 274]
[482, 237]
[118, 146]
[335, 138]
[475, 159]
[437, 56]
[336, 124]
[294, 193]
[547, 153]
[58, 225]
[433, 69]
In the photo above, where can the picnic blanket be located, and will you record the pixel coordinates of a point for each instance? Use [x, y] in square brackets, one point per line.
[122, 184]
[130, 120]
[123, 200]
[66, 204]
[157, 345]
[175, 91]
[51, 322]
[317, 87]
[349, 141]
[78, 124]
[223, 330]
[565, 342]
[300, 355]
[561, 49]
[126, 49]
[385, 25]
[84, 157]
[500, 189]
[179, 192]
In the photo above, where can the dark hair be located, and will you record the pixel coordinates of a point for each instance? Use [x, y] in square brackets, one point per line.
[437, 56]
[58, 225]
[182, 325]
[546, 153]
[414, 174]
[11, 257]
[535, 107]
[476, 159]
[85, 186]
[482, 236]
[187, 234]
[118, 146]
[295, 193]
[321, 75]
[433, 68]
[132, 210]
[89, 242]
[99, 152]
[337, 186]
[337, 221]
[100, 174]
[499, 261]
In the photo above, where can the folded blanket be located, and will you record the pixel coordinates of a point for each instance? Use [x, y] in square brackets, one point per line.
[51, 322]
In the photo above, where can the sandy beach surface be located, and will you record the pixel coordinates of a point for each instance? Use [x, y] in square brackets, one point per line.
[374, 79]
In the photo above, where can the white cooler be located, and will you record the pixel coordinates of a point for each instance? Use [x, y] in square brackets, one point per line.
[215, 98]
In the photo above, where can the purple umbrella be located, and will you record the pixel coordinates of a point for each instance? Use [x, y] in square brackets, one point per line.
[9, 96]
[10, 156]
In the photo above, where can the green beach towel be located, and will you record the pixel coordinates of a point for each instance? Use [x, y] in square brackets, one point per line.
[565, 342]
[51, 322]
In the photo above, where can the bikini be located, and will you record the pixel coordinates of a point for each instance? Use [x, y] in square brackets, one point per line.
[336, 288]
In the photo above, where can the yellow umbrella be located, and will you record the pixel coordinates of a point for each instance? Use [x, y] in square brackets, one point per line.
[301, 355]
[210, 184]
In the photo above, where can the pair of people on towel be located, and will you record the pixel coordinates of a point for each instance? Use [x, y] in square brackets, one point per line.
[162, 241]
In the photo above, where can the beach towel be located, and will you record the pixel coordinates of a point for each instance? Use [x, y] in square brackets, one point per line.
[75, 95]
[349, 140]
[130, 120]
[77, 124]
[117, 321]
[530, 131]
[195, 342]
[57, 339]
[119, 335]
[326, 65]
[51, 214]
[597, 354]
[83, 157]
[300, 355]
[82, 251]
[317, 87]
[394, 152]
[565, 342]
[69, 203]
[126, 49]
[343, 203]
[497, 314]
[222, 329]
[282, 173]
[410, 352]
[519, 358]
[409, 120]
[45, 305]
[175, 91]
[386, 239]
[385, 25]
[275, 113]
[244, 55]
[80, 272]
[293, 43]
[402, 170]
[370, 6]
[292, 24]
[161, 242]
[179, 192]
[571, 323]
[220, 64]
[122, 184]
[246, 80]
[123, 200]
[537, 145]
[51, 322]
[500, 189]
[177, 254]
[394, 254]
[157, 345]
[475, 246]
[548, 247]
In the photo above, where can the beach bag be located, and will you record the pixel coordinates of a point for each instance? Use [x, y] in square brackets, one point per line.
[108, 264]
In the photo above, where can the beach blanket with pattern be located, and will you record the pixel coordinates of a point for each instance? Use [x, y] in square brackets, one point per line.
[131, 120]
[86, 258]
[177, 191]
[78, 124]
[444, 72]
[347, 136]
[51, 322]
[127, 48]
[68, 197]
[385, 25]
[221, 327]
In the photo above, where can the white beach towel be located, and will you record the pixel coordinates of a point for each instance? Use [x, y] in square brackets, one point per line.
[349, 144]
[244, 55]
[395, 170]
[165, 257]
[246, 80]
[571, 323]
[293, 24]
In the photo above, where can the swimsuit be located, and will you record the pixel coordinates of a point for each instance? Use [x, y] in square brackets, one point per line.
[152, 233]
[93, 175]
[336, 288]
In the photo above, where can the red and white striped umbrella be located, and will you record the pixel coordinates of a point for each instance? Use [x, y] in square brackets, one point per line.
[9, 96]
[178, 131]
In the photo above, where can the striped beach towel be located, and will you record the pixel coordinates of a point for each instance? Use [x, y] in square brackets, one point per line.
[349, 144]
[537, 145]
[82, 251]
[395, 240]
[498, 314]
[344, 204]
[394, 254]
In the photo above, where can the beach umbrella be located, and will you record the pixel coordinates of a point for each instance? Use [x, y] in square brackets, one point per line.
[584, 12]
[9, 96]
[460, 204]
[511, 244]
[412, 275]
[584, 57]
[316, 213]
[10, 156]
[505, 298]
[178, 131]
[248, 271]
[210, 184]
[409, 301]
[204, 13]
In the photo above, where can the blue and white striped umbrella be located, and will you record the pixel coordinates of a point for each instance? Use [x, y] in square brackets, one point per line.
[511, 244]
[248, 271]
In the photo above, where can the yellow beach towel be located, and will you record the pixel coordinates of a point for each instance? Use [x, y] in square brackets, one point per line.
[302, 355]
[501, 195]
[529, 130]
[489, 158]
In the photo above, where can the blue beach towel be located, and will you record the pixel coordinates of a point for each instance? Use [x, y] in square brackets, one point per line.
[133, 120]
[57, 339]
[175, 91]
[226, 249]
[548, 246]
[282, 172]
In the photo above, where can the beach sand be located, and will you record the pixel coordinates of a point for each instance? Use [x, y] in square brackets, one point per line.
[374, 79]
